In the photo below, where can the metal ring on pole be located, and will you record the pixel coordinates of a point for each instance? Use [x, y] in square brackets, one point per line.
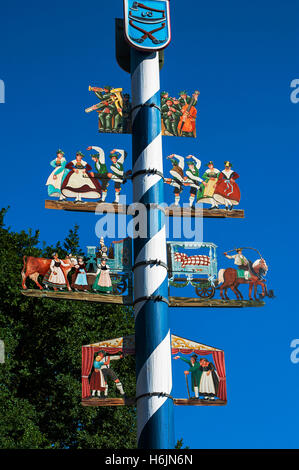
[150, 261]
[155, 298]
[154, 394]
[150, 171]
[149, 105]
[150, 206]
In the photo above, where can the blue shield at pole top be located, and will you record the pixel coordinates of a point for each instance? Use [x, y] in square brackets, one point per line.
[147, 24]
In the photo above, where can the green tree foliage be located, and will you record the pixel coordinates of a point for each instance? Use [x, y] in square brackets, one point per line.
[179, 444]
[40, 382]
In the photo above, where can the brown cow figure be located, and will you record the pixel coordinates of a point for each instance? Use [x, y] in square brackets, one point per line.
[34, 267]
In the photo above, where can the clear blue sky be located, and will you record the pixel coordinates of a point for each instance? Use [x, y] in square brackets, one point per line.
[242, 57]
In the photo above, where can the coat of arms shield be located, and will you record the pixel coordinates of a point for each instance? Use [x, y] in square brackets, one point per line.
[147, 24]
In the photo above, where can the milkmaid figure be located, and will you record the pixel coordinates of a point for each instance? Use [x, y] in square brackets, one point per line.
[55, 276]
[242, 262]
[192, 177]
[177, 173]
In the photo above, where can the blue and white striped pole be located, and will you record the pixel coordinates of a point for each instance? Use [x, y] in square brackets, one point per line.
[152, 334]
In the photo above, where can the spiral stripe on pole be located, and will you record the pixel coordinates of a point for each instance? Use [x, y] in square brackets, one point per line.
[152, 333]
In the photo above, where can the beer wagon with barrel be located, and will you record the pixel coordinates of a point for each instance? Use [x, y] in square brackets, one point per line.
[198, 269]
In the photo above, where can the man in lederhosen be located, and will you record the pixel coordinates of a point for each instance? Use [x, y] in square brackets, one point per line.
[107, 372]
[117, 170]
[101, 168]
[177, 173]
[193, 179]
[107, 112]
[171, 114]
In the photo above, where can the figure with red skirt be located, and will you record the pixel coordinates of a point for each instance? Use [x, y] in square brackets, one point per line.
[227, 191]
[80, 181]
[97, 382]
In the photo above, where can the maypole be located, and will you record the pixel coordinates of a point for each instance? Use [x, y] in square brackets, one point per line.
[146, 28]
[152, 333]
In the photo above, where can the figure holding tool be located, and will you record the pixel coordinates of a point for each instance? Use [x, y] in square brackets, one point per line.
[109, 108]
[196, 371]
[186, 125]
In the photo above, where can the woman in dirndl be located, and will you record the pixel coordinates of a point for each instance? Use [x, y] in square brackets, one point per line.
[102, 281]
[80, 282]
[57, 176]
[97, 381]
[227, 191]
[206, 190]
[55, 276]
[80, 181]
[209, 381]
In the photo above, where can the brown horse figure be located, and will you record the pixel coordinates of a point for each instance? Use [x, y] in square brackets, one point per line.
[228, 278]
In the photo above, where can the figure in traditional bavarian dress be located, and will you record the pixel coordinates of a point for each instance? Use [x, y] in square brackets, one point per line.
[55, 276]
[80, 278]
[177, 173]
[227, 191]
[80, 180]
[101, 169]
[186, 125]
[57, 176]
[207, 188]
[106, 372]
[102, 283]
[164, 97]
[192, 177]
[97, 381]
[109, 111]
[170, 112]
[195, 370]
[209, 381]
[241, 262]
[117, 170]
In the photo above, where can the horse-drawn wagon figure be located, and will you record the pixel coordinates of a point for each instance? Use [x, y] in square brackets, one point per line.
[246, 272]
[108, 270]
[198, 269]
